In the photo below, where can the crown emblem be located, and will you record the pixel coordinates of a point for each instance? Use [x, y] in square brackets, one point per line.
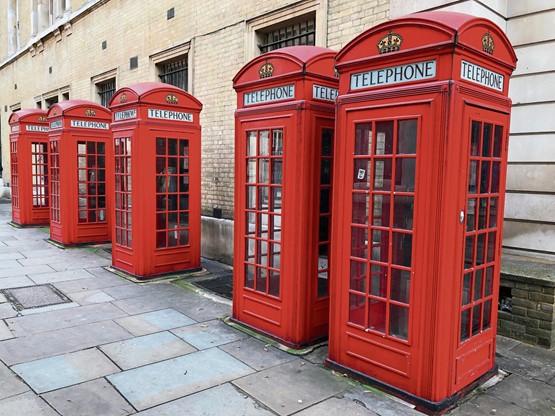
[390, 43]
[488, 45]
[90, 112]
[266, 70]
[123, 98]
[43, 119]
[172, 99]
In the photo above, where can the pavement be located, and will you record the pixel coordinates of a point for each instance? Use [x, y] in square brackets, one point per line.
[116, 347]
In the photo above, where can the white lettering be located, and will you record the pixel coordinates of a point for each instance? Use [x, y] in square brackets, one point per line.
[56, 124]
[86, 124]
[34, 127]
[125, 115]
[324, 93]
[15, 129]
[284, 92]
[170, 115]
[394, 75]
[481, 76]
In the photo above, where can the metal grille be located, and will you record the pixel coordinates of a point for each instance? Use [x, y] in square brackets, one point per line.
[291, 34]
[106, 90]
[175, 73]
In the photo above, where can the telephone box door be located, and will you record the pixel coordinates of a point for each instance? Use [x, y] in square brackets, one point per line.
[388, 160]
[485, 160]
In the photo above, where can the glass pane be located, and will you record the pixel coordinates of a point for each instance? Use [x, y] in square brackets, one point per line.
[250, 244]
[495, 177]
[465, 325]
[478, 279]
[382, 174]
[263, 198]
[482, 213]
[488, 287]
[486, 319]
[400, 285]
[249, 276]
[183, 237]
[327, 142]
[325, 200]
[263, 170]
[363, 139]
[404, 174]
[251, 171]
[361, 174]
[325, 172]
[402, 249]
[276, 171]
[161, 221]
[493, 205]
[274, 283]
[473, 177]
[184, 148]
[476, 311]
[380, 246]
[183, 219]
[491, 246]
[251, 197]
[264, 143]
[376, 315]
[485, 178]
[251, 223]
[497, 141]
[399, 322]
[407, 137]
[480, 249]
[251, 143]
[403, 212]
[261, 279]
[358, 276]
[486, 146]
[276, 199]
[381, 210]
[471, 215]
[82, 175]
[81, 148]
[277, 142]
[160, 239]
[467, 282]
[475, 138]
[359, 242]
[324, 229]
[172, 147]
[275, 253]
[384, 138]
[469, 252]
[356, 309]
[378, 280]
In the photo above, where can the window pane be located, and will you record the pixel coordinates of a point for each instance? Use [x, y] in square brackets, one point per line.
[465, 325]
[400, 285]
[363, 139]
[403, 212]
[357, 305]
[381, 210]
[361, 174]
[402, 249]
[376, 315]
[359, 242]
[382, 174]
[467, 282]
[380, 246]
[399, 322]
[358, 276]
[378, 285]
[384, 138]
[407, 137]
[478, 279]
[404, 174]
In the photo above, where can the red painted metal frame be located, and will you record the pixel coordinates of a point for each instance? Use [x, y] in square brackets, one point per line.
[29, 167]
[429, 335]
[281, 233]
[157, 140]
[81, 172]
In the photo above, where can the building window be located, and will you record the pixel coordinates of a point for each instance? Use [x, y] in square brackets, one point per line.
[298, 31]
[106, 90]
[51, 101]
[174, 72]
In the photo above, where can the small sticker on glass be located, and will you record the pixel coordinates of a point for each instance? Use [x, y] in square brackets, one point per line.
[361, 174]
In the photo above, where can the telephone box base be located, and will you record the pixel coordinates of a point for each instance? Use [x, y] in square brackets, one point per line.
[422, 405]
[35, 225]
[63, 245]
[151, 277]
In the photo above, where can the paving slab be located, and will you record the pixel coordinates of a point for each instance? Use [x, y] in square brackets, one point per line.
[147, 349]
[10, 384]
[336, 406]
[93, 398]
[7, 311]
[381, 403]
[131, 290]
[318, 355]
[33, 347]
[505, 344]
[172, 379]
[92, 283]
[88, 297]
[209, 334]
[44, 252]
[528, 361]
[66, 318]
[155, 301]
[62, 266]
[25, 271]
[5, 332]
[65, 370]
[201, 310]
[486, 405]
[156, 321]
[15, 281]
[2, 298]
[291, 387]
[9, 264]
[216, 401]
[42, 278]
[531, 395]
[26, 404]
[257, 354]
[14, 255]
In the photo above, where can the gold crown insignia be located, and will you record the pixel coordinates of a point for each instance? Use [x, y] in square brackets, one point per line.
[43, 119]
[266, 70]
[488, 45]
[172, 99]
[90, 112]
[390, 43]
[123, 98]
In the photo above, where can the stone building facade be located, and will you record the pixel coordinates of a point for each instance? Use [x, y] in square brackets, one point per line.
[52, 50]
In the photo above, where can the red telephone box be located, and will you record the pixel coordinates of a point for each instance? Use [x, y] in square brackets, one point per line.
[156, 136]
[80, 172]
[283, 166]
[29, 167]
[422, 125]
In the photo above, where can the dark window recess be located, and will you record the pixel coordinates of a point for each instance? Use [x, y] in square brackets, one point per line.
[50, 101]
[505, 299]
[104, 44]
[171, 13]
[106, 90]
[174, 73]
[301, 32]
[49, 69]
[134, 62]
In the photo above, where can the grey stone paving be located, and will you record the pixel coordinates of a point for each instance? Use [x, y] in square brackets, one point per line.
[156, 349]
